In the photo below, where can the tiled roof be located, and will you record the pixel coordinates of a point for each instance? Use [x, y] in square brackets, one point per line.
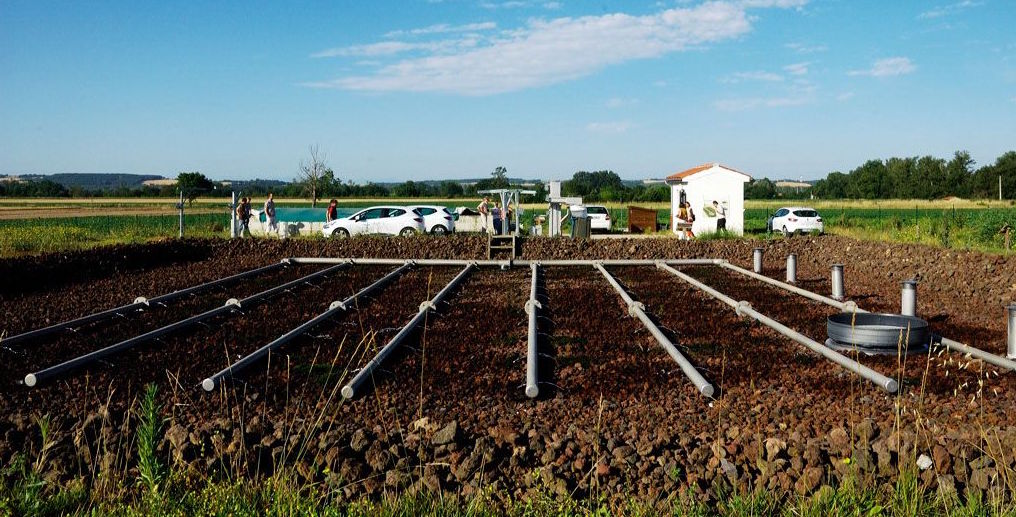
[699, 168]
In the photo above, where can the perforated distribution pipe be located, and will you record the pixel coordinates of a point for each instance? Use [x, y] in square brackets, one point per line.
[231, 305]
[744, 309]
[506, 263]
[353, 387]
[637, 310]
[850, 306]
[532, 389]
[210, 383]
[138, 304]
[847, 306]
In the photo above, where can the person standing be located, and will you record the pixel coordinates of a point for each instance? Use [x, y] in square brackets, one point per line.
[332, 212]
[721, 216]
[484, 209]
[496, 215]
[273, 225]
[243, 214]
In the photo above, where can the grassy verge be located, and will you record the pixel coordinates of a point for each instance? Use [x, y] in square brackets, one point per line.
[23, 492]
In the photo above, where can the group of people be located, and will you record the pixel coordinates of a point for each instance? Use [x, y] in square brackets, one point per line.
[500, 217]
[686, 216]
[244, 214]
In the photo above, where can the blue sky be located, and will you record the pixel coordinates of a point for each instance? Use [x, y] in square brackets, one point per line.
[433, 89]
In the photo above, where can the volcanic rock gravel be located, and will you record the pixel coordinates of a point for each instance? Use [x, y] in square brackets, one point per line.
[447, 411]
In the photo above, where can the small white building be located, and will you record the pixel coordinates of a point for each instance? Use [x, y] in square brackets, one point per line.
[702, 185]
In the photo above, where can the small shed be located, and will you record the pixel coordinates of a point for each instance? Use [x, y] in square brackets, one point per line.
[704, 184]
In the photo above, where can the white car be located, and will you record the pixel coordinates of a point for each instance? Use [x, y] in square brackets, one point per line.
[599, 217]
[436, 219]
[390, 220]
[793, 219]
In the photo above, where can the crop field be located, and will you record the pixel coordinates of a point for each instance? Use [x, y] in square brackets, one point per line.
[33, 226]
[361, 406]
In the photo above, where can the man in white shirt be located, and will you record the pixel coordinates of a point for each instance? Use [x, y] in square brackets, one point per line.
[721, 216]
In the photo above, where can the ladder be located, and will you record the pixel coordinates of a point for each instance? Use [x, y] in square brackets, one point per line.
[498, 244]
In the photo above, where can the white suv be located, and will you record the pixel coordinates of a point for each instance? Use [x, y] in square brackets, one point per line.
[390, 220]
[794, 219]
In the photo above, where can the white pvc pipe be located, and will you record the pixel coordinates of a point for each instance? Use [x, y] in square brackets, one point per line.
[837, 281]
[743, 308]
[637, 310]
[532, 389]
[908, 298]
[791, 268]
[847, 306]
[350, 389]
[504, 263]
[1011, 348]
[850, 306]
[756, 259]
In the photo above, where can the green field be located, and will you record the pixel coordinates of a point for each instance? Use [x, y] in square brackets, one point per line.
[953, 224]
[28, 236]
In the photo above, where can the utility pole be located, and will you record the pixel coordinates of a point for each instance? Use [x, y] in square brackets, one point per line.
[180, 206]
[999, 187]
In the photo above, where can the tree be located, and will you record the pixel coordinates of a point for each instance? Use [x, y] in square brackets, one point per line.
[315, 175]
[958, 173]
[450, 189]
[192, 184]
[498, 179]
[760, 189]
[598, 185]
[409, 189]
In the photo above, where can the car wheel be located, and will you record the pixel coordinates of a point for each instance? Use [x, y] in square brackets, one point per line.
[439, 230]
[785, 232]
[340, 233]
[407, 231]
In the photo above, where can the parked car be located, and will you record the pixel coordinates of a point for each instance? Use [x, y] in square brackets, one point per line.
[599, 218]
[436, 219]
[793, 219]
[390, 220]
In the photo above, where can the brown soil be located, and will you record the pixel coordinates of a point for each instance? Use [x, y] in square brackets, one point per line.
[615, 415]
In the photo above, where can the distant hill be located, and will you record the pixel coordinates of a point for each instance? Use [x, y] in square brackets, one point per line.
[102, 181]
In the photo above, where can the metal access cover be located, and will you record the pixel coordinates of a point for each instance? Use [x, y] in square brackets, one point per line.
[877, 333]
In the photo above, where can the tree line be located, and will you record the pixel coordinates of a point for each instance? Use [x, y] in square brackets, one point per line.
[924, 177]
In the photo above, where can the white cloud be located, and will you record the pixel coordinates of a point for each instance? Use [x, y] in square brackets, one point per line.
[802, 48]
[443, 28]
[799, 93]
[616, 127]
[553, 5]
[888, 67]
[511, 4]
[946, 10]
[619, 102]
[845, 96]
[752, 76]
[545, 52]
[388, 48]
[783, 4]
[749, 103]
[797, 68]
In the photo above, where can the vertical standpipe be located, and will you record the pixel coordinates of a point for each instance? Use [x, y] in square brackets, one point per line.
[532, 389]
[908, 298]
[757, 260]
[791, 269]
[1011, 349]
[837, 280]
